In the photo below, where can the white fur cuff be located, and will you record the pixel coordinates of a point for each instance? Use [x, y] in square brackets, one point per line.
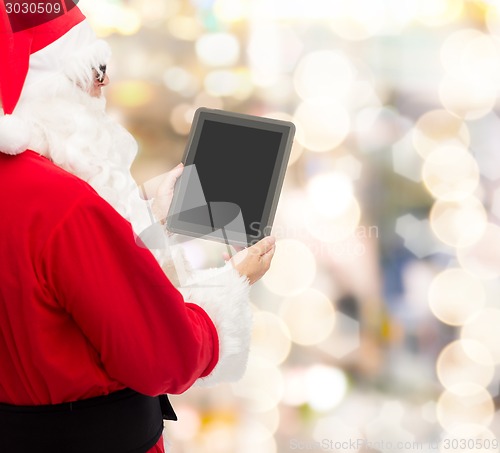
[223, 294]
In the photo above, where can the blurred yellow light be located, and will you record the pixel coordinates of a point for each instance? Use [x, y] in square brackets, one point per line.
[188, 425]
[310, 316]
[131, 93]
[295, 393]
[221, 83]
[181, 81]
[155, 11]
[186, 28]
[366, 119]
[245, 86]
[330, 194]
[483, 328]
[464, 404]
[275, 89]
[436, 128]
[467, 98]
[218, 431]
[481, 58]
[326, 387]
[233, 83]
[472, 61]
[482, 258]
[293, 210]
[218, 49]
[292, 270]
[357, 19]
[362, 95]
[324, 126]
[323, 75]
[453, 48]
[456, 365]
[231, 10]
[334, 229]
[262, 385]
[254, 433]
[107, 18]
[270, 419]
[353, 28]
[129, 22]
[458, 223]
[301, 9]
[181, 118]
[399, 15]
[349, 166]
[264, 54]
[436, 13]
[450, 173]
[455, 295]
[270, 337]
[204, 99]
[492, 17]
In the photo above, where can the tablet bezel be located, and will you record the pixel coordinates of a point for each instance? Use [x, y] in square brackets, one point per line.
[287, 129]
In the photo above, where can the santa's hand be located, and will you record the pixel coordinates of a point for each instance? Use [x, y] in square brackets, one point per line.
[253, 262]
[161, 191]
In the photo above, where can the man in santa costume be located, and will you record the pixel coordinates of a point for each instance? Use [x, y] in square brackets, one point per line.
[93, 334]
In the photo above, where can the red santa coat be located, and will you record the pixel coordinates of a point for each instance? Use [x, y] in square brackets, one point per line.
[84, 311]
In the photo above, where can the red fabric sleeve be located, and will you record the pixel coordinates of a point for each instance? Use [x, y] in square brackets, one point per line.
[144, 333]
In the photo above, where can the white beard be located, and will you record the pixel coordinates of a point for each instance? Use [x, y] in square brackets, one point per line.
[72, 129]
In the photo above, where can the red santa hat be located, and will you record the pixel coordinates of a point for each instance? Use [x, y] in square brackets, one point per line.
[36, 44]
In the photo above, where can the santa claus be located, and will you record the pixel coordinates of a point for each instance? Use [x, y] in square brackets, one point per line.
[93, 334]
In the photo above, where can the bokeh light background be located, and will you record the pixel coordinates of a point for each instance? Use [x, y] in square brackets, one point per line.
[379, 321]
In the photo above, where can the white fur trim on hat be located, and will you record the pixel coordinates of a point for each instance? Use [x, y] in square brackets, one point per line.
[15, 134]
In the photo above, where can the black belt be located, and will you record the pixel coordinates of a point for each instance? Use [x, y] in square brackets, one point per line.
[121, 422]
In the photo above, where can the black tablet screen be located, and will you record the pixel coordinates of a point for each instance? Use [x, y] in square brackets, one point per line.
[235, 164]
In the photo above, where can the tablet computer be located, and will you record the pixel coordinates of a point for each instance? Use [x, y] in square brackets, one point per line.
[234, 170]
